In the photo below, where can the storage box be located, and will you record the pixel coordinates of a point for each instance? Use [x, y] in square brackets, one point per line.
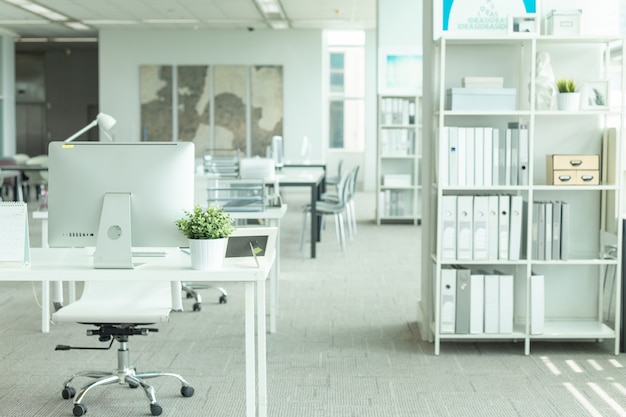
[564, 22]
[497, 99]
[397, 180]
[573, 169]
[237, 194]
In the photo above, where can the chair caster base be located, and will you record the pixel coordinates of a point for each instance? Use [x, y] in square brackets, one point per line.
[156, 409]
[79, 410]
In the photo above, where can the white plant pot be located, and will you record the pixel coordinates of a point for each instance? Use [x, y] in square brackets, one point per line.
[568, 101]
[207, 254]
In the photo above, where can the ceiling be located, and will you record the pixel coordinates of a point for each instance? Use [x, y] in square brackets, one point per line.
[181, 14]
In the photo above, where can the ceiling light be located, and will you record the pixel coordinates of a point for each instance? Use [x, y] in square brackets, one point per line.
[74, 40]
[273, 12]
[43, 12]
[279, 24]
[77, 26]
[111, 22]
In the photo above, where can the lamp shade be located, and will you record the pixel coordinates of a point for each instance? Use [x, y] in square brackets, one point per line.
[105, 121]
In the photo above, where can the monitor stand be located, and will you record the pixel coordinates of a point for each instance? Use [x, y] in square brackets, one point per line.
[113, 244]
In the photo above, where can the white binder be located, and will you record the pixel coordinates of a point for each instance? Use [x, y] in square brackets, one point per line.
[537, 304]
[464, 216]
[503, 226]
[448, 236]
[564, 230]
[515, 229]
[523, 155]
[453, 155]
[470, 156]
[495, 158]
[492, 304]
[477, 303]
[548, 231]
[534, 233]
[448, 300]
[541, 230]
[462, 157]
[514, 129]
[508, 148]
[481, 231]
[505, 306]
[493, 217]
[442, 156]
[463, 300]
[556, 230]
[479, 156]
[488, 152]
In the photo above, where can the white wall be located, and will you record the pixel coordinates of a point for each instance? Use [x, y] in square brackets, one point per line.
[299, 52]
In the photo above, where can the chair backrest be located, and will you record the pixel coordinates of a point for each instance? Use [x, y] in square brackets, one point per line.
[4, 161]
[340, 169]
[352, 186]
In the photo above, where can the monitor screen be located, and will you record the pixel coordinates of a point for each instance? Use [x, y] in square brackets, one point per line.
[118, 195]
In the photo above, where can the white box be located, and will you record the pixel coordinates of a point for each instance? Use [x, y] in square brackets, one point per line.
[564, 22]
[397, 180]
[498, 99]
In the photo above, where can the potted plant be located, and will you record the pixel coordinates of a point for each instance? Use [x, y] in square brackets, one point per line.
[568, 98]
[207, 230]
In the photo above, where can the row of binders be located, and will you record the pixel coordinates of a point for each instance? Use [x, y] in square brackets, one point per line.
[481, 227]
[482, 156]
[477, 302]
[397, 111]
[399, 142]
[550, 230]
[391, 203]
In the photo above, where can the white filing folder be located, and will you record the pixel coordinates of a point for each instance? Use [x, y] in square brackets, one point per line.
[488, 152]
[503, 226]
[508, 148]
[477, 303]
[522, 176]
[448, 236]
[541, 230]
[514, 129]
[548, 231]
[556, 230]
[493, 218]
[464, 216]
[515, 229]
[537, 303]
[496, 179]
[463, 299]
[564, 230]
[453, 156]
[448, 300]
[481, 231]
[470, 156]
[479, 156]
[534, 233]
[462, 157]
[492, 303]
[505, 306]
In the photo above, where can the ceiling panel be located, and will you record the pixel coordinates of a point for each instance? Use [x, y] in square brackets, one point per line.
[303, 14]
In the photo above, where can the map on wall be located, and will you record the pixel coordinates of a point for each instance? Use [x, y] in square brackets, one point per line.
[266, 96]
[194, 100]
[155, 85]
[231, 91]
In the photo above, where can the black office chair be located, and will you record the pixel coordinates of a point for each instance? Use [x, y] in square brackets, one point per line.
[118, 310]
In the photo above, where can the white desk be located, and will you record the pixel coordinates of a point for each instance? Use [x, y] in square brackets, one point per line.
[77, 265]
[271, 214]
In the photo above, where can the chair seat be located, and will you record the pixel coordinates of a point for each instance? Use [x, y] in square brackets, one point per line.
[111, 302]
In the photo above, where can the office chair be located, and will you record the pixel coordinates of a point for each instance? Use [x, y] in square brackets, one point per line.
[119, 309]
[334, 180]
[350, 206]
[335, 208]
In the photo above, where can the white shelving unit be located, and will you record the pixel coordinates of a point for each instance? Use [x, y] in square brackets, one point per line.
[399, 158]
[582, 292]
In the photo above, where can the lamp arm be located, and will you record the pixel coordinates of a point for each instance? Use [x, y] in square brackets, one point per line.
[80, 132]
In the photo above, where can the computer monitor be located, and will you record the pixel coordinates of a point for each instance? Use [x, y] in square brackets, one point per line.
[118, 195]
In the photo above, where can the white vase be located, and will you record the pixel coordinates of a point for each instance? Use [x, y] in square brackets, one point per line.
[207, 254]
[568, 101]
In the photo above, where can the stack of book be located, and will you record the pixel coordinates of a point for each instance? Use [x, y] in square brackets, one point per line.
[482, 227]
[481, 156]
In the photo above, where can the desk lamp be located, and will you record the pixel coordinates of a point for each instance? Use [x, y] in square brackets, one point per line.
[105, 121]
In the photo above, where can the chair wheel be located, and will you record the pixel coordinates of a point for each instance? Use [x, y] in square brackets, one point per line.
[156, 409]
[197, 307]
[223, 299]
[68, 392]
[79, 409]
[187, 391]
[189, 295]
[133, 385]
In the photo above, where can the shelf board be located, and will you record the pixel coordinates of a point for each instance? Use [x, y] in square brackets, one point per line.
[397, 126]
[575, 329]
[457, 188]
[577, 188]
[509, 113]
[518, 333]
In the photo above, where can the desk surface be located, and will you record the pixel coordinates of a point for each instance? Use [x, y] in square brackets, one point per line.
[300, 176]
[23, 167]
[49, 264]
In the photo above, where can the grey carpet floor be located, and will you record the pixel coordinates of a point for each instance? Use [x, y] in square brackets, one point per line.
[347, 345]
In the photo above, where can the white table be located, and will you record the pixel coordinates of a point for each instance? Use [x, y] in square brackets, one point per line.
[272, 214]
[77, 265]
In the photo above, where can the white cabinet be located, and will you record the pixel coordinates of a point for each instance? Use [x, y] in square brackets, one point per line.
[571, 295]
[398, 184]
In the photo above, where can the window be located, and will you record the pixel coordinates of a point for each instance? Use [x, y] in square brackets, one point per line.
[346, 90]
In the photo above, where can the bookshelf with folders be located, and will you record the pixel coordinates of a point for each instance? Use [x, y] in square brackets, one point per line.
[520, 250]
[398, 185]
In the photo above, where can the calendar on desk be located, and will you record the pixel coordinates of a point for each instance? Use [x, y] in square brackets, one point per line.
[14, 242]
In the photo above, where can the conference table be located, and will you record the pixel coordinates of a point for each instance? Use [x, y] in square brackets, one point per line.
[312, 178]
[48, 264]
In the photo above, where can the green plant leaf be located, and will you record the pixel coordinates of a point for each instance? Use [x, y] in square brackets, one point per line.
[210, 223]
